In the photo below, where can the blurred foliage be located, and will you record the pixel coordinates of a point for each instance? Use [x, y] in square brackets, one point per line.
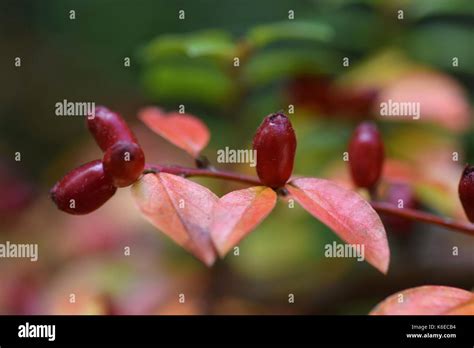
[280, 63]
[210, 43]
[271, 55]
[436, 44]
[191, 62]
[264, 35]
[196, 83]
[381, 49]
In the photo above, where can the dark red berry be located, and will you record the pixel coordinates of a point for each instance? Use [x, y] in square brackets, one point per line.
[84, 189]
[402, 196]
[108, 127]
[466, 191]
[275, 143]
[124, 162]
[312, 92]
[366, 155]
[322, 94]
[17, 193]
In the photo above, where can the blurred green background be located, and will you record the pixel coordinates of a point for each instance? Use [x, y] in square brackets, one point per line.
[282, 62]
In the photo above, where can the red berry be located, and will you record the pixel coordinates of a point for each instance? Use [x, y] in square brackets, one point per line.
[84, 189]
[275, 143]
[124, 162]
[366, 155]
[466, 191]
[108, 127]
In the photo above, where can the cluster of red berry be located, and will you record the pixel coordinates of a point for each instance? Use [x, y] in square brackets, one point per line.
[89, 186]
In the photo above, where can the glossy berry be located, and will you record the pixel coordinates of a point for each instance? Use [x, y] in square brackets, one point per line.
[84, 189]
[275, 143]
[466, 191]
[124, 162]
[108, 127]
[366, 155]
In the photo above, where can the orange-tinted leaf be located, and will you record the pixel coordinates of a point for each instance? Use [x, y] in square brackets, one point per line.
[347, 214]
[423, 300]
[183, 130]
[238, 213]
[463, 309]
[181, 209]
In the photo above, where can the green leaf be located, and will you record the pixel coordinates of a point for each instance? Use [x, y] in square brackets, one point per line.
[178, 83]
[425, 8]
[291, 30]
[210, 43]
[355, 29]
[275, 64]
[438, 43]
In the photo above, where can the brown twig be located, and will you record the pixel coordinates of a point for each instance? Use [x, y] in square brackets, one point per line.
[412, 214]
[204, 172]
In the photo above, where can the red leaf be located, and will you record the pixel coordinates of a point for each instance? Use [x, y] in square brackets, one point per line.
[347, 214]
[423, 300]
[238, 213]
[179, 208]
[183, 130]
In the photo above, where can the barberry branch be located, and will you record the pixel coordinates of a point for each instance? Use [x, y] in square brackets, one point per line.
[413, 214]
[381, 207]
[203, 172]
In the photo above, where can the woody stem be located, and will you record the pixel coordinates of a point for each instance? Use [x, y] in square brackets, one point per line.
[412, 214]
[203, 172]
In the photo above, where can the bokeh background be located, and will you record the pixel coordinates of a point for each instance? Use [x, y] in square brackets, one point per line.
[191, 62]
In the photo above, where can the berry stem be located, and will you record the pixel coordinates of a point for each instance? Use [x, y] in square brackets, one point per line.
[204, 172]
[381, 207]
[412, 214]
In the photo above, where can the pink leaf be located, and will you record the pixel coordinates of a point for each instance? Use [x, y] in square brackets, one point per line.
[441, 98]
[347, 214]
[183, 130]
[238, 213]
[423, 300]
[179, 208]
[466, 308]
